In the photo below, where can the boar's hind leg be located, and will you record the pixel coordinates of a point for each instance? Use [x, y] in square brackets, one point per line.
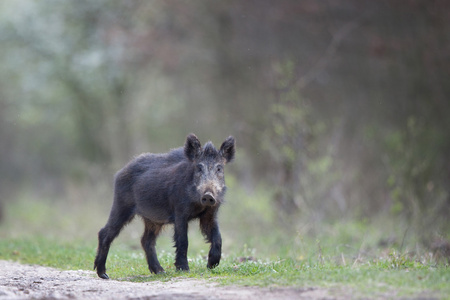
[118, 218]
[148, 242]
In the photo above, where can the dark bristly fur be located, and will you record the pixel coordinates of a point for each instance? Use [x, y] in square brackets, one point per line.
[171, 188]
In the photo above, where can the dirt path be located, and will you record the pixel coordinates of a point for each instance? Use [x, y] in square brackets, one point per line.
[35, 282]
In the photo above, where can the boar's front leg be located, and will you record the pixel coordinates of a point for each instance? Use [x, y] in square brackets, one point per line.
[181, 243]
[210, 230]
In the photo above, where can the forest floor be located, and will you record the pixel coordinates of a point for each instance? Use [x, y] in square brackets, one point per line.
[18, 281]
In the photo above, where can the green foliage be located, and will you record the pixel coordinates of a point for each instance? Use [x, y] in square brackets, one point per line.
[414, 177]
[74, 100]
[293, 144]
[402, 261]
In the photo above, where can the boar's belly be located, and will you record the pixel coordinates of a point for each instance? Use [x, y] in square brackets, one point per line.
[154, 213]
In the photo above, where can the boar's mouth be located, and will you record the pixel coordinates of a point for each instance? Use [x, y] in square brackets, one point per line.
[208, 199]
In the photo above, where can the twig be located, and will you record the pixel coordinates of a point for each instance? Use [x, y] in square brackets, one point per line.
[403, 240]
[329, 53]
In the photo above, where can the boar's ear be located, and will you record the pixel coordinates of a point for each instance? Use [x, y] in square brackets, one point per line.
[192, 148]
[227, 149]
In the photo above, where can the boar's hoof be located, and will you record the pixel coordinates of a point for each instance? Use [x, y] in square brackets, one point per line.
[183, 268]
[157, 270]
[212, 266]
[103, 276]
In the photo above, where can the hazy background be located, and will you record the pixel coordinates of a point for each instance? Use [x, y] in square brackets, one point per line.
[340, 109]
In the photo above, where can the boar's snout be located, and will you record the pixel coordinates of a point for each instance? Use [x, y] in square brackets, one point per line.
[208, 199]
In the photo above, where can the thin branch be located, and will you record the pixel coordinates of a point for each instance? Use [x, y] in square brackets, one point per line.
[323, 62]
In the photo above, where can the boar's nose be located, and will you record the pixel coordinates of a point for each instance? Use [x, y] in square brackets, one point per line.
[208, 199]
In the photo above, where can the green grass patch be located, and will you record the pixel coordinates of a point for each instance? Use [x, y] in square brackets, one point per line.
[48, 252]
[393, 274]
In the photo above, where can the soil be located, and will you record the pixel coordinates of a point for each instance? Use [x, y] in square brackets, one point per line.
[19, 281]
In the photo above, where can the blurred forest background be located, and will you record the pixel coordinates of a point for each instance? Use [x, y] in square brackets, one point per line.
[340, 109]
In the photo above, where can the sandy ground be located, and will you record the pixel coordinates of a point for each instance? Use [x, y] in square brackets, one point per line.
[19, 281]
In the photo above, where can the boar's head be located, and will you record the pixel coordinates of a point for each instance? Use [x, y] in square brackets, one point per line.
[208, 167]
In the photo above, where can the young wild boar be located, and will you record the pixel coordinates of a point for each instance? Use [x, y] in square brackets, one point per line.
[171, 188]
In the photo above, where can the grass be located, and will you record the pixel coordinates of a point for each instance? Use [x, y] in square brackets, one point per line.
[344, 256]
[395, 274]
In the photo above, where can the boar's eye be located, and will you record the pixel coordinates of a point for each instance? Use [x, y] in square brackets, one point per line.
[200, 168]
[219, 168]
